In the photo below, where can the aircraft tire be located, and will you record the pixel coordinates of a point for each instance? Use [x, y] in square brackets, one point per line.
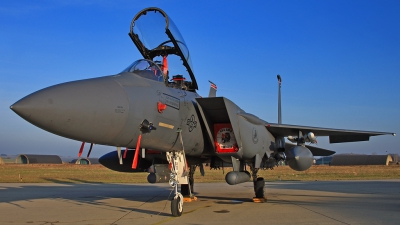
[259, 187]
[177, 206]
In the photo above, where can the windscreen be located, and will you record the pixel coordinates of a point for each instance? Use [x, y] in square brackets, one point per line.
[147, 69]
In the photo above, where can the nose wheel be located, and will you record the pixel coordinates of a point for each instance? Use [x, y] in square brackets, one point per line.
[177, 205]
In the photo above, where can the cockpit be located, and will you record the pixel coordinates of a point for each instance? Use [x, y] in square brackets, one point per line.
[166, 55]
[147, 69]
[154, 71]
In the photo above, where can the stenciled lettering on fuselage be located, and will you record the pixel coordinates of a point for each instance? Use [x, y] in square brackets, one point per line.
[120, 109]
[170, 101]
[192, 123]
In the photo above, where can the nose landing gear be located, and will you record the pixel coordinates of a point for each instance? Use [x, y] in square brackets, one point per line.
[179, 175]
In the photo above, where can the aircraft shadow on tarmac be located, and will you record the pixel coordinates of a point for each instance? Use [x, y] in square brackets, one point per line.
[84, 193]
[319, 192]
[349, 187]
[136, 195]
[282, 199]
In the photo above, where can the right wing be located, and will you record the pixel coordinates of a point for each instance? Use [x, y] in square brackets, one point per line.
[335, 135]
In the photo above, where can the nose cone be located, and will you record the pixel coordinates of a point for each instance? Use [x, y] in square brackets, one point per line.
[92, 110]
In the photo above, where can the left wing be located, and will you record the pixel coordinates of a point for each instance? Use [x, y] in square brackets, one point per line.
[335, 135]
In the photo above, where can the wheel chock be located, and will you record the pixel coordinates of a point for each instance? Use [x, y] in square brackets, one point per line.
[189, 199]
[259, 200]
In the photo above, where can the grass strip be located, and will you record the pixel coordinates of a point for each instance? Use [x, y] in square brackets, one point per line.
[71, 173]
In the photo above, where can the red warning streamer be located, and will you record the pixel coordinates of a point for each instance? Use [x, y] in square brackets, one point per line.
[165, 65]
[126, 151]
[81, 150]
[136, 157]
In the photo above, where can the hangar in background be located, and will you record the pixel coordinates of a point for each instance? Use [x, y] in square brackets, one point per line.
[85, 161]
[353, 160]
[38, 159]
[8, 158]
[324, 160]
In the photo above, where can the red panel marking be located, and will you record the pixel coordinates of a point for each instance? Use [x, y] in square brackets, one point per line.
[161, 107]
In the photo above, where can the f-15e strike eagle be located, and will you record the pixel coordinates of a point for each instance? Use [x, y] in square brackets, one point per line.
[153, 111]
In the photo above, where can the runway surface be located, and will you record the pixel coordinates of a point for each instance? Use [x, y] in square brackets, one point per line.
[317, 202]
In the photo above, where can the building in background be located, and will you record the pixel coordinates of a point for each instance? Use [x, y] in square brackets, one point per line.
[38, 159]
[85, 161]
[8, 158]
[356, 159]
[324, 160]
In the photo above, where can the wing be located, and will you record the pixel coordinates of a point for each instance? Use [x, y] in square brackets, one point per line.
[335, 135]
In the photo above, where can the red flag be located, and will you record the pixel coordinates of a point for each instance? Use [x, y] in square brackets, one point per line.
[213, 85]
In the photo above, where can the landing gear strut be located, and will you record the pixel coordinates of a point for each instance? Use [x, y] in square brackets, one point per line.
[179, 175]
[188, 189]
[259, 185]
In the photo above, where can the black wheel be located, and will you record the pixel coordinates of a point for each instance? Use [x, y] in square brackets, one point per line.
[259, 187]
[177, 206]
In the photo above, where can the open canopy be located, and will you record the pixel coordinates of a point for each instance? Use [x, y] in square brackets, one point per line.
[155, 34]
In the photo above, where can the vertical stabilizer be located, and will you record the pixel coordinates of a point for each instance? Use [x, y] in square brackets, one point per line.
[213, 90]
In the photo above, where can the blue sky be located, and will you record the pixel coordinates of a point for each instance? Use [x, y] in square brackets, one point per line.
[339, 60]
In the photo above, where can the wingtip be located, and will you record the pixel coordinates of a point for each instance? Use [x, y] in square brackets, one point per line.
[394, 134]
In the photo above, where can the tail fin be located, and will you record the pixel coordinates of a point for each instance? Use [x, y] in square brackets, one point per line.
[213, 90]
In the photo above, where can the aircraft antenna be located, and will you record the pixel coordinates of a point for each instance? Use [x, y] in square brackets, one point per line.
[279, 99]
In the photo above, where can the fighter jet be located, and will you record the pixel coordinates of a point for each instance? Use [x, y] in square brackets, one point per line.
[152, 110]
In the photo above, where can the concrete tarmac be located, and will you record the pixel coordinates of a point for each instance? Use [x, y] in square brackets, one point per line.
[317, 202]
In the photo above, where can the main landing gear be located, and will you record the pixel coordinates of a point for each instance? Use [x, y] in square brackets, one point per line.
[259, 185]
[187, 189]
